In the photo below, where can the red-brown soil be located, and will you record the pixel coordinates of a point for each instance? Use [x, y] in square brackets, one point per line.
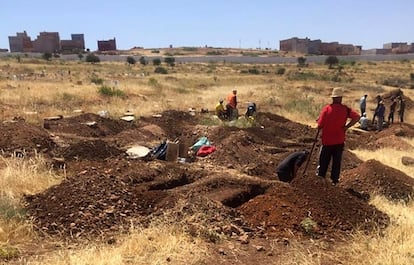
[373, 177]
[236, 186]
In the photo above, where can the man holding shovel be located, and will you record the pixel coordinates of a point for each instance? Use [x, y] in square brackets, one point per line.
[333, 124]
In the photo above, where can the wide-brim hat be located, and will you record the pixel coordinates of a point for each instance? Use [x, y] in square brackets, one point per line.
[337, 92]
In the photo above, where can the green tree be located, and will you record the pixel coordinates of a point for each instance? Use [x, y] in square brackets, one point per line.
[47, 56]
[142, 60]
[156, 61]
[331, 61]
[131, 60]
[92, 58]
[301, 61]
[80, 56]
[170, 61]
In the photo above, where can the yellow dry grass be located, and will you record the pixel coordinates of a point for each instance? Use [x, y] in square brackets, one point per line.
[20, 176]
[152, 246]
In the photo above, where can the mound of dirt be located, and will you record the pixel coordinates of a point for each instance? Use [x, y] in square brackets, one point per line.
[174, 123]
[95, 201]
[106, 191]
[22, 136]
[90, 150]
[88, 125]
[309, 206]
[374, 177]
[144, 134]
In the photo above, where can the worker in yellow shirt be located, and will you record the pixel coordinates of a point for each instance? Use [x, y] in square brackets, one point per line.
[220, 110]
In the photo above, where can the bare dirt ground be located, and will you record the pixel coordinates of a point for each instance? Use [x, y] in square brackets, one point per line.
[235, 187]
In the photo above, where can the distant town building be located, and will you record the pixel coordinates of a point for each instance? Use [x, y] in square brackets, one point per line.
[107, 45]
[305, 46]
[47, 42]
[75, 45]
[399, 47]
[317, 47]
[20, 43]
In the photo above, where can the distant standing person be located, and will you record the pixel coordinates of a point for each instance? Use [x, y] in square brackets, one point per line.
[380, 113]
[363, 104]
[401, 109]
[333, 123]
[378, 99]
[287, 169]
[231, 106]
[392, 110]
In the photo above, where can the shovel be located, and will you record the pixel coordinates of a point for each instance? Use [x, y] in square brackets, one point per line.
[310, 153]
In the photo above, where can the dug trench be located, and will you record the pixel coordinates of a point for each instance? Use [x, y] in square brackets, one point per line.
[105, 190]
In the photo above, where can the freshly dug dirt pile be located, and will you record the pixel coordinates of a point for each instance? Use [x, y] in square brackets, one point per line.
[22, 136]
[290, 209]
[373, 177]
[389, 137]
[174, 123]
[87, 125]
[91, 150]
[106, 191]
[95, 201]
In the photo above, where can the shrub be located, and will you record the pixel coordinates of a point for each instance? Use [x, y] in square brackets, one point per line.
[153, 82]
[131, 60]
[170, 61]
[111, 92]
[47, 56]
[412, 76]
[190, 49]
[214, 53]
[156, 61]
[143, 61]
[303, 76]
[155, 51]
[161, 70]
[254, 71]
[92, 58]
[281, 71]
[331, 60]
[301, 61]
[97, 80]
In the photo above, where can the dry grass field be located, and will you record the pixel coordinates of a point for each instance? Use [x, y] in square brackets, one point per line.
[32, 89]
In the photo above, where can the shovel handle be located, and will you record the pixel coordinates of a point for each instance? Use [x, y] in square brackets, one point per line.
[310, 153]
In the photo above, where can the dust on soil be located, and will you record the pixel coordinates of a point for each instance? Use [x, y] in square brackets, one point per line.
[235, 187]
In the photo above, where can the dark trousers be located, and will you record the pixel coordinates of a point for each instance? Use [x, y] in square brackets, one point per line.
[391, 117]
[328, 152]
[362, 111]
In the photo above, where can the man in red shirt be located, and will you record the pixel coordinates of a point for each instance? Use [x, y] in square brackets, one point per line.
[333, 123]
[231, 106]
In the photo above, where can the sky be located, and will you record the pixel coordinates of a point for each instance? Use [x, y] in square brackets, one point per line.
[215, 23]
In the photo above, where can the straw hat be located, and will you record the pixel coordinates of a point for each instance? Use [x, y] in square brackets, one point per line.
[337, 92]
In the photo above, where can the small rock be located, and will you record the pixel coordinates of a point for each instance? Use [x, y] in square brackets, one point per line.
[222, 252]
[260, 248]
[244, 239]
[407, 161]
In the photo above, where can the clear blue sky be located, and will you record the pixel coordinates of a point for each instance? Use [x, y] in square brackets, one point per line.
[217, 23]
